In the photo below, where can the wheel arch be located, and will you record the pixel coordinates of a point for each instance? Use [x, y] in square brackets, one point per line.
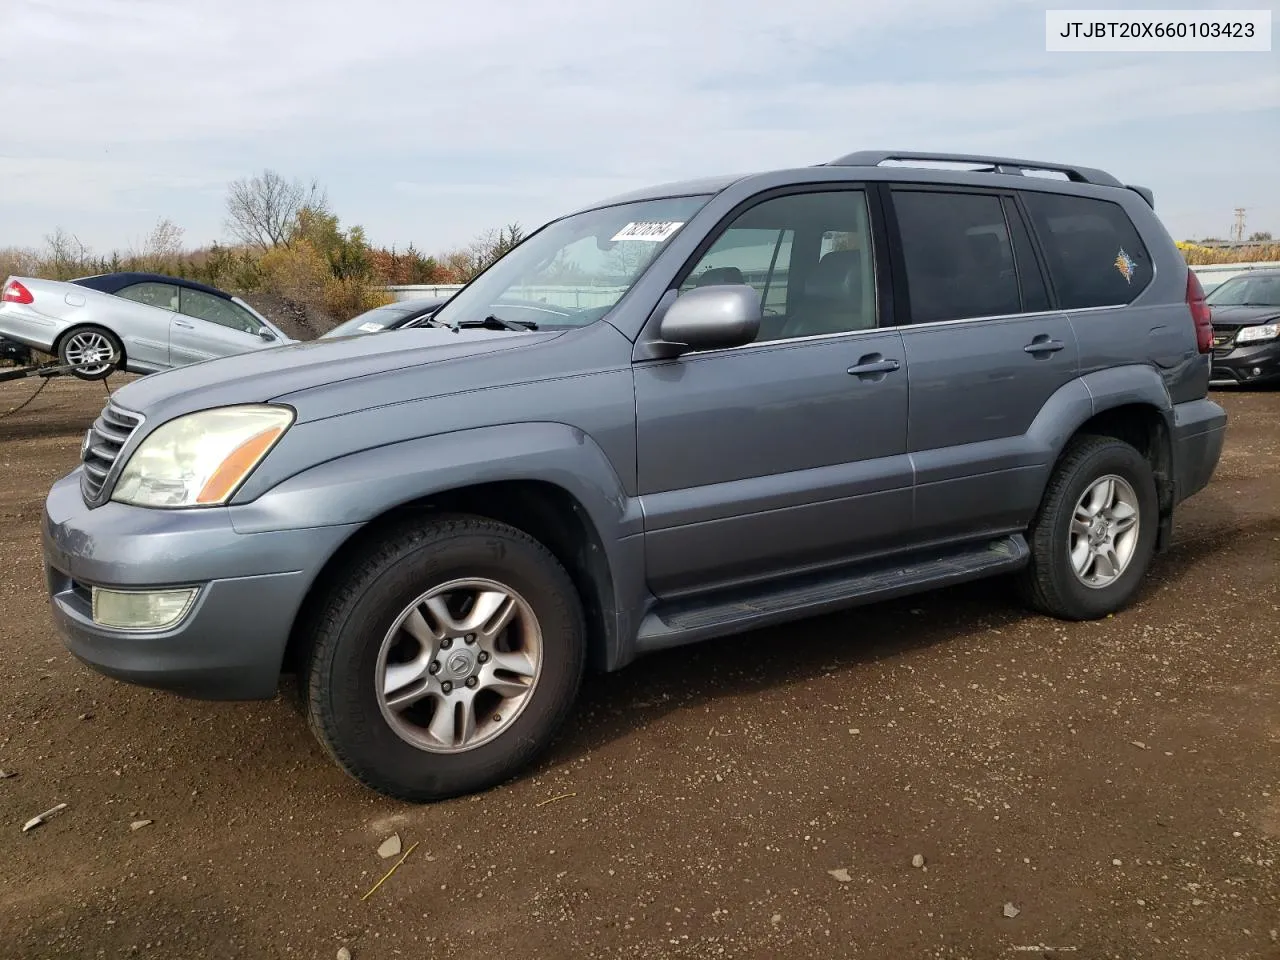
[555, 484]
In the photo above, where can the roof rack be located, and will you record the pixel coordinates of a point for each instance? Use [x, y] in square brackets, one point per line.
[874, 158]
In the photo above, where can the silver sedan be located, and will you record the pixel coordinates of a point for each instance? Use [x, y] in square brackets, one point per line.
[139, 322]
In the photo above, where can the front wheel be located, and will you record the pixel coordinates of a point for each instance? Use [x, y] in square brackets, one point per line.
[1095, 534]
[445, 658]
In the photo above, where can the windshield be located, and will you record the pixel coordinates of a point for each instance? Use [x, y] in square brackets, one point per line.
[371, 321]
[572, 272]
[1246, 292]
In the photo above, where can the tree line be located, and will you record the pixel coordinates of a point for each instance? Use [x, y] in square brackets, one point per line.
[285, 240]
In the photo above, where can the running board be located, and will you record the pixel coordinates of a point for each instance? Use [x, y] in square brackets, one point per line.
[687, 621]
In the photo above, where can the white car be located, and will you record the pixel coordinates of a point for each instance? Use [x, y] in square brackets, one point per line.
[139, 322]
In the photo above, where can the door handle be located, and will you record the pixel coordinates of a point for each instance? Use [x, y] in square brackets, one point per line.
[184, 326]
[872, 364]
[1042, 344]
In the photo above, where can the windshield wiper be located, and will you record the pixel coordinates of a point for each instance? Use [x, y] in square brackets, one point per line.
[495, 323]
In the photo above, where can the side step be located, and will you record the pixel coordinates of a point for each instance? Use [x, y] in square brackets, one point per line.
[687, 621]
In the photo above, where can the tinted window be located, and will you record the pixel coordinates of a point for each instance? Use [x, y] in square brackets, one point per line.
[810, 257]
[162, 295]
[205, 306]
[1094, 253]
[958, 258]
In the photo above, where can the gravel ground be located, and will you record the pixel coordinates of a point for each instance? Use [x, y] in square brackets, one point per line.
[1114, 786]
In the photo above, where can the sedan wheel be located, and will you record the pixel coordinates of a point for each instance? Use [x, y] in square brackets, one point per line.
[94, 352]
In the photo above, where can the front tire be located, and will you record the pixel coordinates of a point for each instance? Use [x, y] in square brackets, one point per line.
[85, 345]
[445, 658]
[1094, 536]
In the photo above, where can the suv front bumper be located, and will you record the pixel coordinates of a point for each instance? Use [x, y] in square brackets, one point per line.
[230, 642]
[1251, 363]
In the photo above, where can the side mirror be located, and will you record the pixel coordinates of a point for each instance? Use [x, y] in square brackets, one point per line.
[266, 334]
[712, 318]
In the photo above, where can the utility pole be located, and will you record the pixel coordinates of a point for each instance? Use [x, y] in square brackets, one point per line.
[1237, 232]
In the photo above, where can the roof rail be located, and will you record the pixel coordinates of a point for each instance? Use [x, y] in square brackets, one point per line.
[873, 158]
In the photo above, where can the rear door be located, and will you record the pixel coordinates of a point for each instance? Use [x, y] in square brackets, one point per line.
[209, 326]
[985, 353]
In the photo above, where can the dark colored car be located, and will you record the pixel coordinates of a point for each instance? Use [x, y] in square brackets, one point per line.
[1246, 329]
[391, 316]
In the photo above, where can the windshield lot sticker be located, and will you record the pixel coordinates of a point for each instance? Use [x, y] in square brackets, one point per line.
[651, 231]
[1124, 263]
[370, 327]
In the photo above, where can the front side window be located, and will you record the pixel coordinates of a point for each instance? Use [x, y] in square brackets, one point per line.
[205, 306]
[1094, 254]
[810, 257]
[162, 295]
[1246, 292]
[573, 271]
[957, 254]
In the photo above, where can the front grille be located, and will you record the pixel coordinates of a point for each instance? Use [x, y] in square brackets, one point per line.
[108, 435]
[1224, 341]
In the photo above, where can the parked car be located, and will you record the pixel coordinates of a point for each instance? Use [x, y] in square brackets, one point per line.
[391, 316]
[139, 322]
[1246, 328]
[14, 352]
[759, 398]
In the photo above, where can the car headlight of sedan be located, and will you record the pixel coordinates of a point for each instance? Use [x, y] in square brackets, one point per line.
[1263, 331]
[202, 458]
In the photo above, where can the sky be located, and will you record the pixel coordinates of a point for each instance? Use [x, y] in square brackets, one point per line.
[428, 122]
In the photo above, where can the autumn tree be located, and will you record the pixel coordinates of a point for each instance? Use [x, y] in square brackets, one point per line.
[262, 211]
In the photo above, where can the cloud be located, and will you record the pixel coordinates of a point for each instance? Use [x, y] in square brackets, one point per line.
[430, 126]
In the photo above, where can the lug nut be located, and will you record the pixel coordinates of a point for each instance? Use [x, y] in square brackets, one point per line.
[483, 658]
[435, 666]
[471, 681]
[471, 638]
[447, 687]
[446, 643]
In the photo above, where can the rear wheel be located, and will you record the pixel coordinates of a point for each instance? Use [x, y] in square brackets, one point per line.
[445, 659]
[98, 352]
[1094, 537]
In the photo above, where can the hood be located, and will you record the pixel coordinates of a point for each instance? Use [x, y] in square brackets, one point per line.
[1243, 316]
[275, 372]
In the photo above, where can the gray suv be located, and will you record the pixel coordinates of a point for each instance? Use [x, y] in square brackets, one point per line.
[691, 411]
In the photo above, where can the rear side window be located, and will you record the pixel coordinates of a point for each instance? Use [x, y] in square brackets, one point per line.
[1094, 254]
[162, 295]
[958, 257]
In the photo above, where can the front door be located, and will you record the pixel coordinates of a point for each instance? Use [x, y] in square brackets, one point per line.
[787, 453]
[986, 353]
[207, 326]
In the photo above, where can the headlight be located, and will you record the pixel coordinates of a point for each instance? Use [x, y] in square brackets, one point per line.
[202, 458]
[1264, 331]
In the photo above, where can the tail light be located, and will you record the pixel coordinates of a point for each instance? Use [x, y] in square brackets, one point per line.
[1201, 313]
[14, 292]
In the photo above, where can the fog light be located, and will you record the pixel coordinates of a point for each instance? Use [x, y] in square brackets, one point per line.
[140, 609]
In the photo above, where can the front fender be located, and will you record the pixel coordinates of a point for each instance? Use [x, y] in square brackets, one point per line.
[359, 487]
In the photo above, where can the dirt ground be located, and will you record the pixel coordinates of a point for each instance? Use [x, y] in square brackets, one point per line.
[1117, 782]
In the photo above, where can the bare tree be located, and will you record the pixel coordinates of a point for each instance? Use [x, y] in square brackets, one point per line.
[262, 211]
[66, 256]
[162, 247]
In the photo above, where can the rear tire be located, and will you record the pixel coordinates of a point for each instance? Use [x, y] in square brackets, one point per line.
[489, 668]
[83, 344]
[1095, 533]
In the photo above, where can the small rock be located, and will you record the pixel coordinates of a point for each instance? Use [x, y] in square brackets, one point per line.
[390, 847]
[86, 716]
[918, 861]
[842, 875]
[344, 953]
[855, 731]
[776, 919]
[139, 824]
[1011, 911]
[6, 774]
[1139, 744]
[1117, 863]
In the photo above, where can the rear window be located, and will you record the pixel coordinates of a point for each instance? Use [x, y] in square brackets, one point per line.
[1095, 256]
